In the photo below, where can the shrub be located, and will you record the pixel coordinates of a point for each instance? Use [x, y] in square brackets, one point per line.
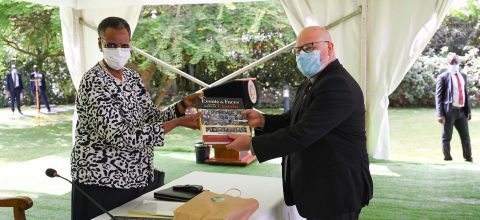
[418, 87]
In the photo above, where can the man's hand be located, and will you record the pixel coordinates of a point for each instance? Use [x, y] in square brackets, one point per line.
[254, 117]
[240, 142]
[190, 99]
[469, 116]
[441, 120]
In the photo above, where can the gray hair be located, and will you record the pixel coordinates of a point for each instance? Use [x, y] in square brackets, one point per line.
[453, 57]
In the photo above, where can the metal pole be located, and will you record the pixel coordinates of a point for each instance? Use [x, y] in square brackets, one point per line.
[363, 51]
[251, 65]
[170, 67]
[36, 96]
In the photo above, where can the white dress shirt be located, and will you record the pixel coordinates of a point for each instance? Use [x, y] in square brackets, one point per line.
[456, 95]
[15, 79]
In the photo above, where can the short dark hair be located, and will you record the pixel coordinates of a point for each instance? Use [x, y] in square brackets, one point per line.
[113, 22]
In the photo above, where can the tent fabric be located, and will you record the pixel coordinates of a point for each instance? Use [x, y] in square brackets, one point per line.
[89, 4]
[397, 31]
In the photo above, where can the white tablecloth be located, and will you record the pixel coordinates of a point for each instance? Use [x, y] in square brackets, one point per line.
[267, 190]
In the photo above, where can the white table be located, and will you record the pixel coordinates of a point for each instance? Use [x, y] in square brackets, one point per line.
[267, 190]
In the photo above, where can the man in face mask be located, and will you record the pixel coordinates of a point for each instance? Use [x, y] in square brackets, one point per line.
[14, 88]
[453, 107]
[321, 140]
[118, 127]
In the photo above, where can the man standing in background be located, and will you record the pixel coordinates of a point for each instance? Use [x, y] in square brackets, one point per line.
[453, 107]
[14, 87]
[37, 76]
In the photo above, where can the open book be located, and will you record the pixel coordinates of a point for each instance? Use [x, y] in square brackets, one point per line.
[221, 116]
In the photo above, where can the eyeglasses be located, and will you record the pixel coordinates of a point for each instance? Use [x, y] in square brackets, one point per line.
[307, 48]
[107, 44]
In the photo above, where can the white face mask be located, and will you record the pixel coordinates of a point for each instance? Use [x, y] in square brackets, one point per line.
[116, 58]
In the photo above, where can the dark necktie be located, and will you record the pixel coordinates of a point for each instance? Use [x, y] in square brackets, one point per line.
[460, 90]
[301, 99]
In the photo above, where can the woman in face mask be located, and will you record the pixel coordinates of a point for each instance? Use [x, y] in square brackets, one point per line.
[118, 127]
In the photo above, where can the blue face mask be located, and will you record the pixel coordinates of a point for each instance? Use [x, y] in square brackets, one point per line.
[455, 68]
[309, 63]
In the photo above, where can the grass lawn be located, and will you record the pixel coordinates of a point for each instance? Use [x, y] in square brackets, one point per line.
[415, 184]
[416, 136]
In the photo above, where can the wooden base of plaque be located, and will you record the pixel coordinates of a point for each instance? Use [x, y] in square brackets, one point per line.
[226, 156]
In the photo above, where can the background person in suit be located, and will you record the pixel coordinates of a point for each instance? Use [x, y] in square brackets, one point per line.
[453, 107]
[14, 87]
[322, 138]
[42, 87]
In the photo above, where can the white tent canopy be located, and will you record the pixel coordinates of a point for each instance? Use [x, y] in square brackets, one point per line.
[377, 47]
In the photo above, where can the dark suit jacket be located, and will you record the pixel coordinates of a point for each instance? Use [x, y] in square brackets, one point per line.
[328, 169]
[444, 95]
[10, 85]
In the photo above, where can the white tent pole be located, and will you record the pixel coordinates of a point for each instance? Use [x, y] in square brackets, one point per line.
[87, 24]
[363, 50]
[344, 18]
[158, 61]
[170, 67]
[251, 65]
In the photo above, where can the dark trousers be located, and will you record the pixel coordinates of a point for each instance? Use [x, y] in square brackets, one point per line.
[343, 216]
[108, 198]
[15, 98]
[43, 95]
[460, 121]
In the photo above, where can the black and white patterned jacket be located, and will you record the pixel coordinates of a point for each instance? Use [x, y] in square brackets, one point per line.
[118, 126]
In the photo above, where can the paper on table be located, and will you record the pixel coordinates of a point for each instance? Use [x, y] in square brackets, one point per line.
[155, 208]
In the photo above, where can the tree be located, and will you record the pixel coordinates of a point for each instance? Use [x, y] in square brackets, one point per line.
[460, 31]
[210, 41]
[31, 30]
[31, 35]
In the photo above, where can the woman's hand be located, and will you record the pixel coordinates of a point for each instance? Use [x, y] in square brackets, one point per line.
[190, 99]
[189, 121]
